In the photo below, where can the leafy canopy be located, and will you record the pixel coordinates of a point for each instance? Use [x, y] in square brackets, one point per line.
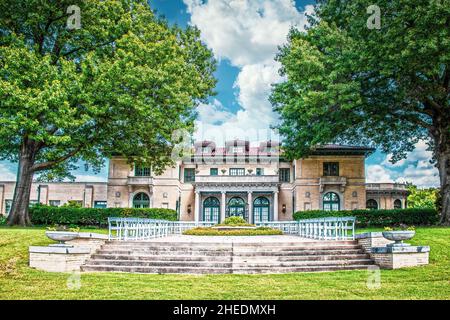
[121, 84]
[346, 83]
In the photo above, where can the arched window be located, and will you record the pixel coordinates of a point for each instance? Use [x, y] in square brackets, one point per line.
[372, 204]
[141, 200]
[236, 207]
[331, 202]
[397, 204]
[261, 209]
[211, 209]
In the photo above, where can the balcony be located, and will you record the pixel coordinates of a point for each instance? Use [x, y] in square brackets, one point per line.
[246, 179]
[139, 181]
[333, 180]
[386, 188]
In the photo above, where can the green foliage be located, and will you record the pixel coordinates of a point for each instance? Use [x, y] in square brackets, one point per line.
[234, 220]
[73, 204]
[422, 198]
[261, 231]
[47, 215]
[125, 83]
[348, 83]
[2, 220]
[377, 218]
[400, 228]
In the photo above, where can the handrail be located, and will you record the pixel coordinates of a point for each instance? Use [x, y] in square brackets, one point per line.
[329, 228]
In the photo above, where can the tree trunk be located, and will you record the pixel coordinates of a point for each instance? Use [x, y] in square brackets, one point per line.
[442, 152]
[444, 173]
[19, 209]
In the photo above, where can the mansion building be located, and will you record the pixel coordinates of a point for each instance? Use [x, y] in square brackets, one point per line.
[256, 183]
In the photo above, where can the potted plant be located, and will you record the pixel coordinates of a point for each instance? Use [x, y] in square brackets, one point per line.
[399, 234]
[61, 234]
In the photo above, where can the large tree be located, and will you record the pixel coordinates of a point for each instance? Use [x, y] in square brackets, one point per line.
[386, 87]
[121, 83]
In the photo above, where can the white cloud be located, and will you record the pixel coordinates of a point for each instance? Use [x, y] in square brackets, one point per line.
[214, 113]
[247, 33]
[6, 174]
[378, 173]
[415, 168]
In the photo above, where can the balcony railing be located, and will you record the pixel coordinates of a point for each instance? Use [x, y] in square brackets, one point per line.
[140, 180]
[386, 186]
[237, 179]
[333, 180]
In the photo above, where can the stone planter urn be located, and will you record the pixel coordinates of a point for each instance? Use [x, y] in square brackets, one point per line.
[398, 237]
[61, 237]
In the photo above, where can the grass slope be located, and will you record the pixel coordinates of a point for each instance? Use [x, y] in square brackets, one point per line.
[18, 281]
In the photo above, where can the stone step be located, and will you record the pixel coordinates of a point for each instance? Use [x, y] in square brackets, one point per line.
[221, 258]
[234, 249]
[228, 258]
[151, 243]
[310, 252]
[302, 252]
[234, 265]
[167, 252]
[206, 270]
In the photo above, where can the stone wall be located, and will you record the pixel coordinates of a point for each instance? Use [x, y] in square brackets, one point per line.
[392, 257]
[66, 259]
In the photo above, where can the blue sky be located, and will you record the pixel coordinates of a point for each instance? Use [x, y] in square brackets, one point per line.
[244, 36]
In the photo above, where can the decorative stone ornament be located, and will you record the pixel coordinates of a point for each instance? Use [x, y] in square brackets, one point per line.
[398, 237]
[61, 237]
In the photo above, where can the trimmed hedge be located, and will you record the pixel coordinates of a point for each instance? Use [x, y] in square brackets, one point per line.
[47, 215]
[378, 218]
[261, 231]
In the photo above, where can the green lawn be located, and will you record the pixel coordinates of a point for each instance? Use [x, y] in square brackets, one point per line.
[18, 281]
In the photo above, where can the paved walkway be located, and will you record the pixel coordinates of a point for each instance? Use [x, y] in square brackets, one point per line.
[232, 239]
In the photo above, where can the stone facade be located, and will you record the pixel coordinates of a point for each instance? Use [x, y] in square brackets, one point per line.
[214, 182]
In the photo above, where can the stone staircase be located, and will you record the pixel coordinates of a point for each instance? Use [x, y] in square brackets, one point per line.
[226, 258]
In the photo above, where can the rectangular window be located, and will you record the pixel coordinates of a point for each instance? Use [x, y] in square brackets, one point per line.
[140, 171]
[8, 205]
[285, 174]
[331, 168]
[237, 171]
[213, 172]
[165, 205]
[259, 171]
[189, 174]
[100, 204]
[54, 203]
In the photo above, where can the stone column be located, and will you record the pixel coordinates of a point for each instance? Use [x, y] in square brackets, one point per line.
[250, 207]
[197, 207]
[275, 205]
[223, 207]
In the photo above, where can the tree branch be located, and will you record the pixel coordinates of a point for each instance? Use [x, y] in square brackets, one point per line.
[48, 164]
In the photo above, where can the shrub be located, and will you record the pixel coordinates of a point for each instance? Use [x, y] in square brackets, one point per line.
[262, 231]
[47, 215]
[234, 221]
[378, 218]
[2, 220]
